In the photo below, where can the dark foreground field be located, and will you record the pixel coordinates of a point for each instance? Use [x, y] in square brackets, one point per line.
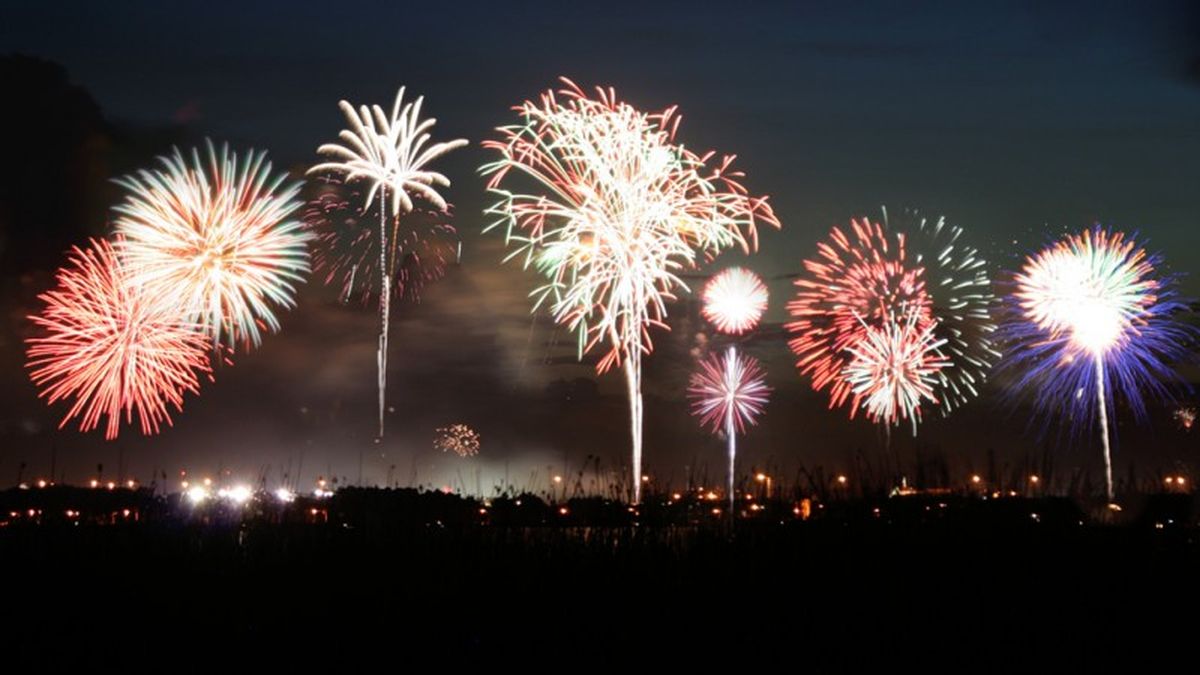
[925, 584]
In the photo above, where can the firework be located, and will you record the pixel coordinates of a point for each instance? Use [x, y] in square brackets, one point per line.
[1185, 417]
[391, 154]
[617, 210]
[1092, 322]
[110, 349]
[216, 241]
[961, 303]
[895, 368]
[857, 282]
[460, 439]
[424, 244]
[734, 301]
[728, 393]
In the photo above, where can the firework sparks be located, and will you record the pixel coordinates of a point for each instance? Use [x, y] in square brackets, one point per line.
[619, 209]
[895, 368]
[728, 393]
[858, 281]
[460, 439]
[109, 349]
[424, 244]
[217, 242]
[391, 154]
[1091, 316]
[735, 300]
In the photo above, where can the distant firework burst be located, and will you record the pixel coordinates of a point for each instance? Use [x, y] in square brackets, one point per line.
[858, 280]
[962, 304]
[423, 245]
[618, 208]
[734, 300]
[110, 350]
[1092, 322]
[1185, 417]
[460, 439]
[391, 154]
[895, 368]
[214, 238]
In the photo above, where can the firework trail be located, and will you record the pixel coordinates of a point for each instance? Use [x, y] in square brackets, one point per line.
[109, 348]
[217, 241]
[460, 439]
[618, 209]
[390, 153]
[895, 368]
[1091, 316]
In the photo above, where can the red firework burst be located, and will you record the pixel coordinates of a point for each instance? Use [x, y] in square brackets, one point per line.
[110, 349]
[856, 282]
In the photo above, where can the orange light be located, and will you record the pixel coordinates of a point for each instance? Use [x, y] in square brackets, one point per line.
[94, 483]
[976, 479]
[558, 479]
[841, 480]
[41, 483]
[562, 510]
[760, 477]
[1034, 479]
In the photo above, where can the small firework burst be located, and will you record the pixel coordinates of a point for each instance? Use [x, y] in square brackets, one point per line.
[1185, 417]
[734, 301]
[460, 439]
[728, 392]
[895, 368]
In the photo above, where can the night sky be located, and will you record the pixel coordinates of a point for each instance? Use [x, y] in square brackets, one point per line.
[1015, 123]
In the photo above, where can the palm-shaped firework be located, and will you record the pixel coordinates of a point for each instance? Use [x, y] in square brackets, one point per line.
[217, 239]
[391, 154]
[618, 210]
[1090, 321]
[729, 392]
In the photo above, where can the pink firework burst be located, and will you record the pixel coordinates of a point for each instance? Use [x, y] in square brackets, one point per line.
[111, 349]
[728, 392]
[734, 300]
[894, 368]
